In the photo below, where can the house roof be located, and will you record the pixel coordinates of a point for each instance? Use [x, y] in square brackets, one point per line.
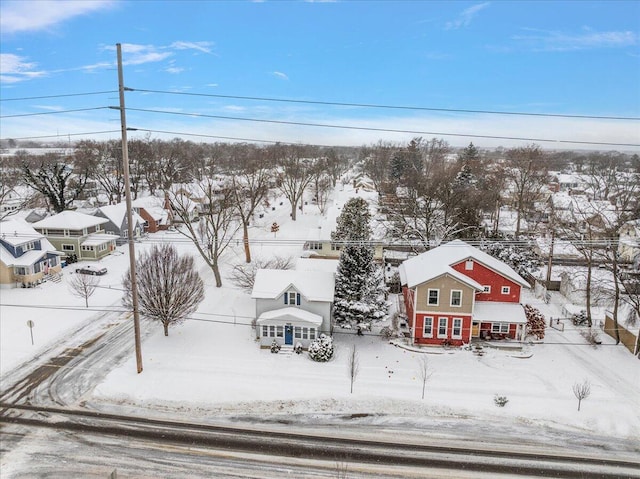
[496, 312]
[97, 239]
[17, 231]
[71, 220]
[438, 261]
[293, 315]
[313, 285]
[27, 259]
[154, 206]
[117, 213]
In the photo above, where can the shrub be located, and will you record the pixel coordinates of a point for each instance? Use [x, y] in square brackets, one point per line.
[275, 347]
[298, 348]
[500, 401]
[321, 349]
[592, 336]
[386, 333]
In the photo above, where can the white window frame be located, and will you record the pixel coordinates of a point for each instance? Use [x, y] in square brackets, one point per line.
[68, 247]
[428, 334]
[265, 330]
[468, 265]
[451, 298]
[446, 327]
[290, 295]
[487, 289]
[429, 303]
[500, 328]
[457, 335]
[506, 290]
[279, 331]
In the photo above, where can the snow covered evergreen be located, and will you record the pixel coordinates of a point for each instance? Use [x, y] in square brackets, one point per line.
[360, 290]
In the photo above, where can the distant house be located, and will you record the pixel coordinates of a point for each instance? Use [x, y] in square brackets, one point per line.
[155, 211]
[456, 292]
[629, 243]
[77, 235]
[292, 307]
[118, 225]
[26, 257]
[320, 245]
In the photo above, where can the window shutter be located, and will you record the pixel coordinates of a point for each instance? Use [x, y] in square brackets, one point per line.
[298, 299]
[285, 297]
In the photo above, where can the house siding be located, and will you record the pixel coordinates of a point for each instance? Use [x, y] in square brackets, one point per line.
[434, 339]
[317, 307]
[488, 277]
[444, 284]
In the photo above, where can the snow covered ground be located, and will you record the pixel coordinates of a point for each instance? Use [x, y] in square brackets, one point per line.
[211, 365]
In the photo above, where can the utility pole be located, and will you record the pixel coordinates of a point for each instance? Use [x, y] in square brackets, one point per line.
[127, 191]
[552, 226]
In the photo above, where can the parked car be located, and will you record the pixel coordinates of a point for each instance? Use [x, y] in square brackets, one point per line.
[91, 270]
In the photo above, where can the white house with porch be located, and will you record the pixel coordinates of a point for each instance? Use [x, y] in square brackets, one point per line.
[292, 307]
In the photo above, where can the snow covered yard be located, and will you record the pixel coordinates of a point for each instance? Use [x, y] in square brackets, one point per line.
[211, 364]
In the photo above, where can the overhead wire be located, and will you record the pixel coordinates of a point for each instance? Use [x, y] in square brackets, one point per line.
[56, 112]
[62, 95]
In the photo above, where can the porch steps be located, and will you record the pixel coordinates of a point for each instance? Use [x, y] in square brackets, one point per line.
[286, 350]
[56, 278]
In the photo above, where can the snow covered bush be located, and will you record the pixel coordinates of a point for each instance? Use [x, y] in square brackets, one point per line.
[536, 322]
[298, 348]
[321, 349]
[500, 401]
[275, 347]
[521, 258]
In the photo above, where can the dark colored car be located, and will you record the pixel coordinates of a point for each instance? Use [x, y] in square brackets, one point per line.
[92, 270]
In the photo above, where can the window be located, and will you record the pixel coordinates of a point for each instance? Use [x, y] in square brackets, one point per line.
[506, 290]
[305, 333]
[457, 328]
[279, 331]
[265, 330]
[487, 289]
[291, 298]
[432, 297]
[29, 246]
[468, 265]
[456, 298]
[442, 327]
[297, 332]
[312, 333]
[499, 327]
[102, 247]
[86, 248]
[68, 247]
[315, 246]
[335, 247]
[19, 271]
[428, 327]
[272, 331]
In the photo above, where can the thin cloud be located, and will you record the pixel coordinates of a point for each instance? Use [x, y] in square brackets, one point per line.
[29, 16]
[174, 70]
[541, 40]
[16, 68]
[204, 47]
[466, 16]
[135, 54]
[280, 75]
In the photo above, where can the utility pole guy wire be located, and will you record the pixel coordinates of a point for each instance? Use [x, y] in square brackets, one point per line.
[127, 190]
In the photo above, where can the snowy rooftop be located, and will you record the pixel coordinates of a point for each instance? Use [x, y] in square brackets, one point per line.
[317, 264]
[313, 285]
[71, 220]
[97, 239]
[290, 314]
[438, 261]
[17, 231]
[117, 214]
[491, 311]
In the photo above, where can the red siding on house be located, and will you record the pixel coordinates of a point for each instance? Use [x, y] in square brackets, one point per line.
[486, 328]
[419, 329]
[489, 277]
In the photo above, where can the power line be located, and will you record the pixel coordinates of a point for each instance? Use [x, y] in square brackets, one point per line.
[382, 106]
[385, 130]
[64, 135]
[63, 95]
[55, 112]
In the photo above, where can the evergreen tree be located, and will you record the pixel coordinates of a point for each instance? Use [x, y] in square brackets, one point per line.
[353, 222]
[359, 293]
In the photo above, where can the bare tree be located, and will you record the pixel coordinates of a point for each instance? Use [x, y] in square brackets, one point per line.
[353, 365]
[527, 171]
[377, 164]
[581, 391]
[250, 185]
[107, 167]
[424, 372]
[244, 275]
[58, 178]
[11, 198]
[169, 287]
[217, 225]
[295, 172]
[321, 187]
[83, 286]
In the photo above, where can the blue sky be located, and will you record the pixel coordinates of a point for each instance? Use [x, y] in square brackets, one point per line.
[565, 58]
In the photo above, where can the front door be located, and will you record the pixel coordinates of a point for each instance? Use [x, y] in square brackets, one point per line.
[475, 329]
[288, 334]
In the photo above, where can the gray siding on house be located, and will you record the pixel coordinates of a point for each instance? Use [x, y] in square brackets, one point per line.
[320, 308]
